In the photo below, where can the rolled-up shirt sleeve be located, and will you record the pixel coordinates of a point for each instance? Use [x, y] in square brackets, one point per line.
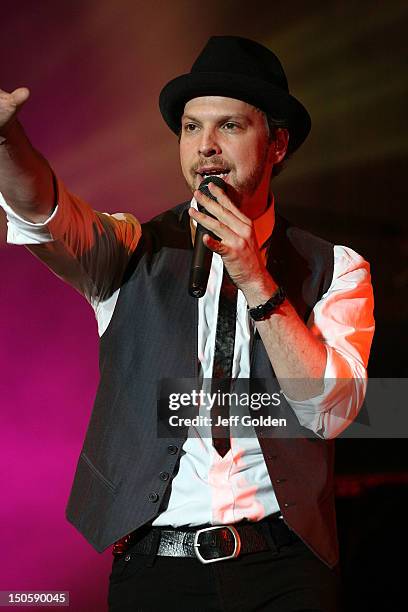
[343, 320]
[86, 248]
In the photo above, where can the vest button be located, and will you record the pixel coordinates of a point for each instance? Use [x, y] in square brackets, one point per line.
[164, 475]
[153, 497]
[172, 449]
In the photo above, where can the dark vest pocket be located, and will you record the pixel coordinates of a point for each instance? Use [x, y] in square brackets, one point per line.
[108, 483]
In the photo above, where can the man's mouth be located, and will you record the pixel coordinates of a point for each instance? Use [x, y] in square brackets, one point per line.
[220, 172]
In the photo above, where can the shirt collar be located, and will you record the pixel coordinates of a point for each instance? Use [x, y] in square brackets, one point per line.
[264, 224]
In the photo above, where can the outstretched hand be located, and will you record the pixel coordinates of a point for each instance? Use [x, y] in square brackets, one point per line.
[10, 103]
[237, 246]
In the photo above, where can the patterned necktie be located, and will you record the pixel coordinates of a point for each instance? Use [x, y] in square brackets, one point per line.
[223, 357]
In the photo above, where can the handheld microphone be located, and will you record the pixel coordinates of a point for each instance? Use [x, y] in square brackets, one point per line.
[202, 257]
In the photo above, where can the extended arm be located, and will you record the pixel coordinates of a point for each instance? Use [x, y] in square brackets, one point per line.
[88, 249]
[26, 179]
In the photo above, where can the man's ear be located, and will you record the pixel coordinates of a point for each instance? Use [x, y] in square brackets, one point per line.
[280, 144]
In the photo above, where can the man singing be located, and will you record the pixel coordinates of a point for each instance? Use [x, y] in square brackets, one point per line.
[213, 522]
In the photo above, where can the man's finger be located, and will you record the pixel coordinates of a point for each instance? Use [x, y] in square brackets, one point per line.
[10, 103]
[214, 245]
[223, 209]
[218, 228]
[223, 214]
[20, 95]
[216, 208]
[224, 200]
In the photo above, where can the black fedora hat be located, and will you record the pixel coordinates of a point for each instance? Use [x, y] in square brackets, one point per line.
[239, 68]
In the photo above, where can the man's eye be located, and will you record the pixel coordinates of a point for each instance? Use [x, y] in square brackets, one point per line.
[230, 125]
[190, 127]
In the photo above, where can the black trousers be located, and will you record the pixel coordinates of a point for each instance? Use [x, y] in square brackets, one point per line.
[291, 579]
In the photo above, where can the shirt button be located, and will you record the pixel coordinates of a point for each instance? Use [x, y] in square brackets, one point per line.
[164, 475]
[153, 497]
[172, 449]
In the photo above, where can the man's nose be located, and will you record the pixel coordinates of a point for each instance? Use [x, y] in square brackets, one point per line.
[209, 144]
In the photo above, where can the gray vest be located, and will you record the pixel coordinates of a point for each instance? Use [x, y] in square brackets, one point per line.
[124, 472]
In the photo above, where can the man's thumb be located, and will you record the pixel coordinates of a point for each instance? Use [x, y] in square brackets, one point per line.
[20, 95]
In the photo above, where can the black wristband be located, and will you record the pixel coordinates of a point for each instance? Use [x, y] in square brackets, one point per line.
[264, 310]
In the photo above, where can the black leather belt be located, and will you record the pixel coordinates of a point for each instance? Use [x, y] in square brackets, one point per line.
[209, 544]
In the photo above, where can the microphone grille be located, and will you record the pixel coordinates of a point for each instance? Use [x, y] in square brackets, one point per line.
[217, 180]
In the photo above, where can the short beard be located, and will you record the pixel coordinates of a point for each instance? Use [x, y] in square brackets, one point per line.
[247, 187]
[241, 190]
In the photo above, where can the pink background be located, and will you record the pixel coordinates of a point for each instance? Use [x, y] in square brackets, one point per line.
[95, 69]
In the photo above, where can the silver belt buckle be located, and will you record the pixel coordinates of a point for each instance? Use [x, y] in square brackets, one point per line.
[237, 544]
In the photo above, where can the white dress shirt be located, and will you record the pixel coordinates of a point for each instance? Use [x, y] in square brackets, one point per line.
[208, 488]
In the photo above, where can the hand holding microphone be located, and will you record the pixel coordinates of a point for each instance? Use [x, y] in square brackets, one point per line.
[202, 256]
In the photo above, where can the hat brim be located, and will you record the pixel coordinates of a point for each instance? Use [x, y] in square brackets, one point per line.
[270, 99]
